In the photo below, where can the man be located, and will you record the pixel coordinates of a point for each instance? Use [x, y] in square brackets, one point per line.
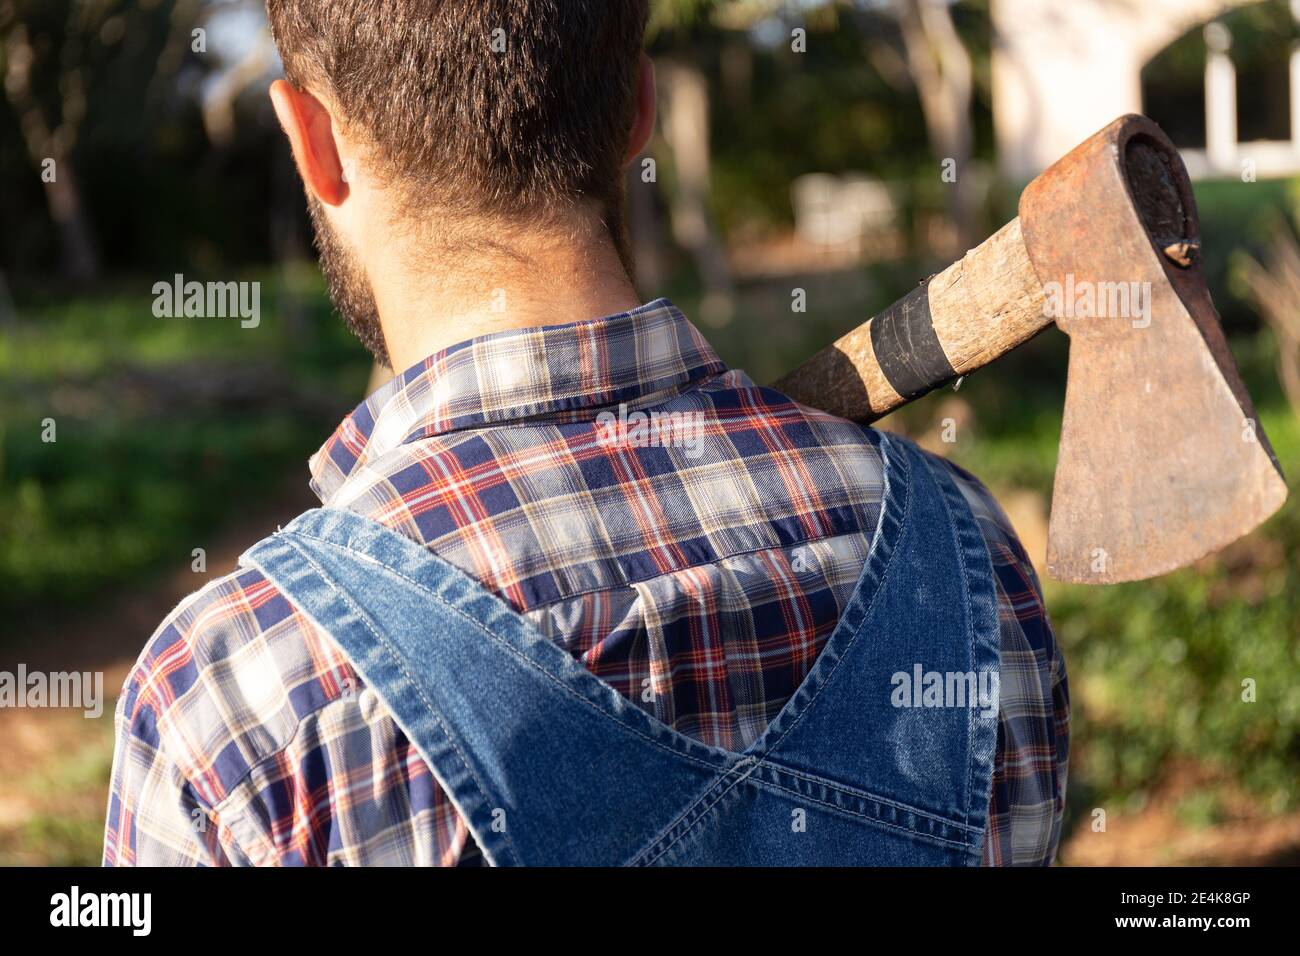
[580, 593]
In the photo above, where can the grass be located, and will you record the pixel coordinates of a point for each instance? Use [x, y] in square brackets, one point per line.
[148, 418]
[66, 793]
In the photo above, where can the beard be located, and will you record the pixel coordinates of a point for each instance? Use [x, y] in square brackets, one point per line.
[349, 288]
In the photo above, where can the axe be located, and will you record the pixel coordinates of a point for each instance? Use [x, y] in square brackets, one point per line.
[1162, 457]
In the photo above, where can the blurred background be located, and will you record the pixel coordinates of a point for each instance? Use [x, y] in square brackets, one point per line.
[801, 146]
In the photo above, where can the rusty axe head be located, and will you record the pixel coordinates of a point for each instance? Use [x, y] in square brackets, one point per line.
[1162, 456]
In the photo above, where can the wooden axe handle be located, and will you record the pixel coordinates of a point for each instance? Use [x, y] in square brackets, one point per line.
[978, 309]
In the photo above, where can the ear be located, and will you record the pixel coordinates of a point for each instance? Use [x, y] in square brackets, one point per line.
[643, 125]
[310, 129]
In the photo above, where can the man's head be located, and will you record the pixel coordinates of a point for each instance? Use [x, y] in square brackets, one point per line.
[458, 124]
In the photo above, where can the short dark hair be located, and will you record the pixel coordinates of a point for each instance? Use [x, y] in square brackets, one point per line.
[493, 107]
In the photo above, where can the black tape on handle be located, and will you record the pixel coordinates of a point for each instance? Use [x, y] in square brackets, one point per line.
[907, 347]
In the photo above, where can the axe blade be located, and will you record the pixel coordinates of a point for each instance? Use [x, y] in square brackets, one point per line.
[1159, 463]
[1162, 457]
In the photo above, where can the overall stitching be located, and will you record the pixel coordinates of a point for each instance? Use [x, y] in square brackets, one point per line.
[960, 547]
[396, 658]
[731, 771]
[780, 770]
[648, 852]
[876, 821]
[823, 680]
[961, 529]
[515, 652]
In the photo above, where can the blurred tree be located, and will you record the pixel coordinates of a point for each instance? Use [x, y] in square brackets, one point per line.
[941, 69]
[44, 46]
[681, 28]
[686, 130]
[257, 60]
[1275, 289]
[113, 93]
[800, 86]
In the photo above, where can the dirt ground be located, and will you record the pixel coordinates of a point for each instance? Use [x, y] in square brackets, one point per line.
[1157, 836]
[54, 764]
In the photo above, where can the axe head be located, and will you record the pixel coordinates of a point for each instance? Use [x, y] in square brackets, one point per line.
[1162, 459]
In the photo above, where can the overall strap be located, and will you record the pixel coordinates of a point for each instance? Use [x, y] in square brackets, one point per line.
[904, 699]
[534, 750]
[550, 765]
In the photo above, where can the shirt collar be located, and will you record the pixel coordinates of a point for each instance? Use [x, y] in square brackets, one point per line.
[517, 374]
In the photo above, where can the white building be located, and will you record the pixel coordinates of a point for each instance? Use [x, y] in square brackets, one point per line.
[1062, 69]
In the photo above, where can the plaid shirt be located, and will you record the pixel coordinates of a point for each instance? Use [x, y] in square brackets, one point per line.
[712, 574]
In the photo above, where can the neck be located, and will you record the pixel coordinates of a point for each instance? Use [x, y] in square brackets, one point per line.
[429, 302]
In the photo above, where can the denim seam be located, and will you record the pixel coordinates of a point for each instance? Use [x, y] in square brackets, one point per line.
[399, 661]
[825, 679]
[656, 849]
[959, 546]
[963, 548]
[528, 662]
[781, 769]
[876, 821]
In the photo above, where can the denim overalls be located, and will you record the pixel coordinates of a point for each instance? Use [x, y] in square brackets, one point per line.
[549, 765]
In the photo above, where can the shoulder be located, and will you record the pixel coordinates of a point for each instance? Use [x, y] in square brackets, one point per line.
[1020, 591]
[1028, 786]
[996, 527]
[226, 679]
[993, 522]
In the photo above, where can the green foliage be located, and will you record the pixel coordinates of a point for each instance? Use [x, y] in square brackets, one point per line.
[68, 788]
[1242, 217]
[149, 456]
[63, 839]
[119, 84]
[847, 102]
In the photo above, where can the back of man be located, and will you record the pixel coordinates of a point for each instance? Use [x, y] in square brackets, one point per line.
[690, 538]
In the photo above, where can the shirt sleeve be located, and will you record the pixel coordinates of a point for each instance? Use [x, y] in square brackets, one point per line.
[154, 816]
[1027, 800]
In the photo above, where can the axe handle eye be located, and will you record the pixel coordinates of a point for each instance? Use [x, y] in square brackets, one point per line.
[978, 309]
